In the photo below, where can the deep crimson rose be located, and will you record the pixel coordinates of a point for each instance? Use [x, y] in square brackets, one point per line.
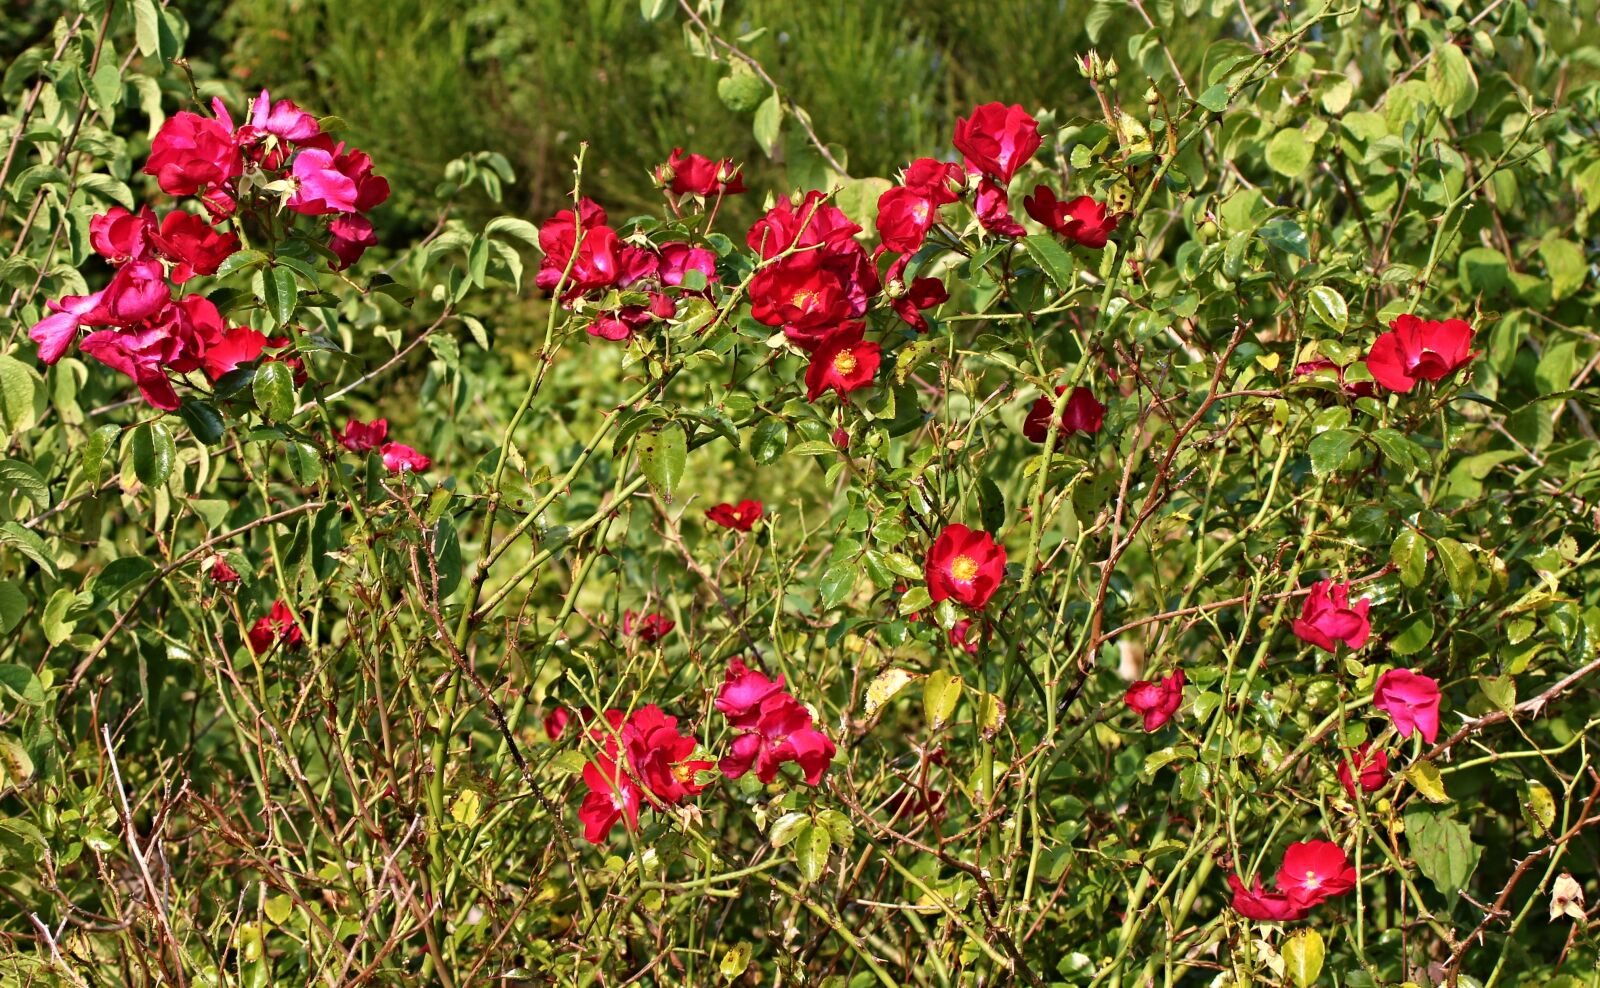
[965, 566]
[804, 291]
[937, 181]
[994, 210]
[783, 732]
[193, 326]
[648, 628]
[1156, 702]
[337, 181]
[997, 139]
[698, 175]
[1082, 414]
[741, 517]
[808, 223]
[221, 572]
[1083, 219]
[844, 362]
[120, 236]
[137, 291]
[398, 458]
[910, 301]
[142, 354]
[191, 154]
[278, 625]
[964, 634]
[1355, 389]
[742, 693]
[359, 437]
[1313, 871]
[349, 236]
[239, 345]
[192, 245]
[1327, 617]
[1419, 350]
[905, 216]
[556, 721]
[612, 797]
[1411, 700]
[597, 263]
[1371, 768]
[266, 135]
[56, 332]
[660, 757]
[840, 439]
[678, 260]
[1255, 903]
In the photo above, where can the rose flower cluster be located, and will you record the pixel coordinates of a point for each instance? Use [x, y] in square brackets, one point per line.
[139, 323]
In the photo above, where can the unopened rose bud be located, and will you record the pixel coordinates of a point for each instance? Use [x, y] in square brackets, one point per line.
[664, 174]
[1151, 97]
[895, 288]
[1111, 68]
[841, 440]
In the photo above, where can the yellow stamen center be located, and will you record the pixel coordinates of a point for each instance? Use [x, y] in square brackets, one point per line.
[845, 362]
[963, 569]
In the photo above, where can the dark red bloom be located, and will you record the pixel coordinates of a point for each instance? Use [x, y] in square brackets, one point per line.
[783, 732]
[740, 517]
[1083, 220]
[910, 301]
[1255, 903]
[192, 245]
[1419, 350]
[597, 263]
[997, 139]
[238, 345]
[844, 362]
[221, 572]
[648, 628]
[742, 693]
[698, 175]
[1156, 702]
[400, 458]
[1371, 768]
[613, 796]
[812, 290]
[349, 236]
[677, 260]
[965, 566]
[907, 212]
[359, 437]
[1326, 617]
[137, 291]
[279, 625]
[964, 634]
[994, 210]
[809, 223]
[120, 236]
[1082, 414]
[1314, 871]
[1411, 700]
[191, 154]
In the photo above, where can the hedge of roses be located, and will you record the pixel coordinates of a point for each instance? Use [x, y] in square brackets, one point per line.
[1156, 548]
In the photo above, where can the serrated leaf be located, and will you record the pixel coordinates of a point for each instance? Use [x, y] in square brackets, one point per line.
[787, 828]
[768, 123]
[1051, 257]
[662, 456]
[1425, 778]
[1443, 849]
[771, 438]
[1409, 554]
[811, 852]
[914, 600]
[838, 582]
[273, 389]
[1329, 449]
[1329, 307]
[153, 453]
[279, 292]
[1460, 571]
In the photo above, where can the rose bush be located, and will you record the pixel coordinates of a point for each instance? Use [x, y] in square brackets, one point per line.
[1156, 547]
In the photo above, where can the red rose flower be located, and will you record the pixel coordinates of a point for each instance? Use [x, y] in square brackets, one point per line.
[597, 263]
[192, 246]
[742, 693]
[965, 566]
[349, 236]
[908, 211]
[336, 181]
[1419, 350]
[810, 223]
[741, 517]
[994, 210]
[1327, 617]
[278, 626]
[359, 437]
[1083, 220]
[699, 175]
[844, 362]
[238, 345]
[910, 301]
[120, 236]
[221, 572]
[649, 628]
[56, 332]
[398, 458]
[1369, 767]
[1411, 700]
[1314, 871]
[997, 139]
[1254, 903]
[964, 634]
[613, 797]
[136, 292]
[783, 732]
[191, 154]
[1156, 702]
[1082, 414]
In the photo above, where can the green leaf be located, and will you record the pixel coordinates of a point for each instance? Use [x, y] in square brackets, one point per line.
[16, 768]
[1500, 691]
[1328, 450]
[1303, 954]
[914, 599]
[1442, 848]
[770, 440]
[1051, 257]
[838, 582]
[1425, 778]
[737, 959]
[1214, 99]
[22, 685]
[515, 226]
[1459, 568]
[768, 123]
[662, 457]
[203, 420]
[787, 828]
[654, 10]
[17, 477]
[1413, 635]
[940, 694]
[279, 294]
[29, 545]
[19, 395]
[278, 907]
[1564, 261]
[274, 391]
[858, 199]
[1451, 82]
[910, 356]
[839, 826]
[13, 606]
[153, 453]
[1538, 808]
[1409, 554]
[811, 852]
[240, 260]
[1287, 236]
[1329, 307]
[118, 576]
[1289, 153]
[55, 622]
[146, 27]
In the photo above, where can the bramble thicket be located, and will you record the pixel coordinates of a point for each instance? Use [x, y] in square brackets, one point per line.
[1139, 531]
